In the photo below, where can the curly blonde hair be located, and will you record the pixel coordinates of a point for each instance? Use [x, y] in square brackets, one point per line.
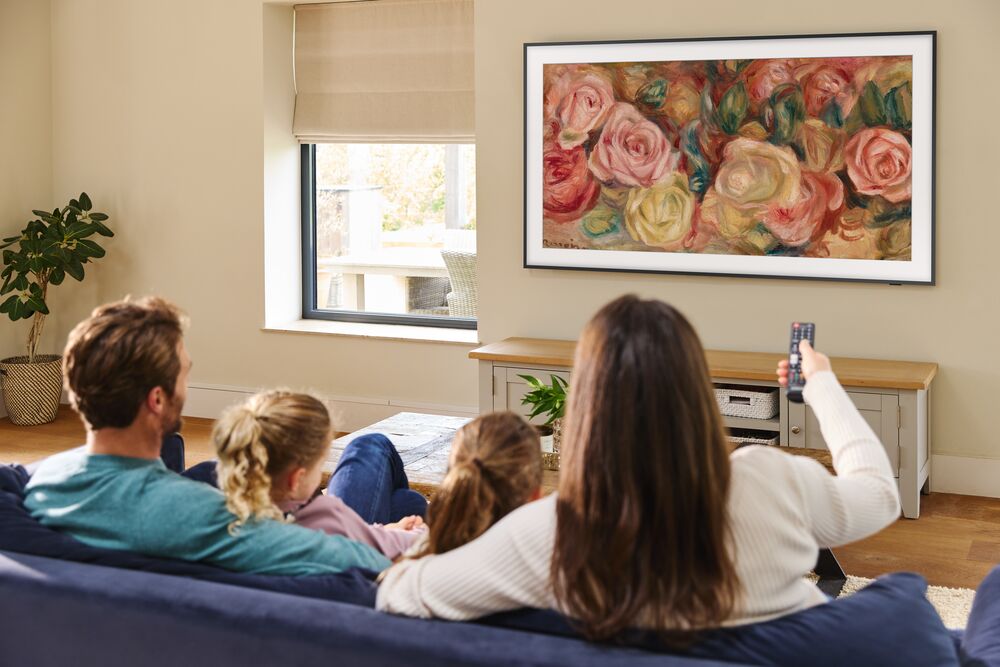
[265, 436]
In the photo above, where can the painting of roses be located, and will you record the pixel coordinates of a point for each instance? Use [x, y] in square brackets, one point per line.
[806, 164]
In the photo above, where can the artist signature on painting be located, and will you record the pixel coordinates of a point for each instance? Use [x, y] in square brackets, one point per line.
[562, 244]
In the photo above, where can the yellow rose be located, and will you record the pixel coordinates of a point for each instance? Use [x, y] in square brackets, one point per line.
[823, 146]
[896, 241]
[661, 215]
[683, 102]
[754, 176]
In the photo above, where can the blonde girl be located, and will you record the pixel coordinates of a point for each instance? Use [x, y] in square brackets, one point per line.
[271, 451]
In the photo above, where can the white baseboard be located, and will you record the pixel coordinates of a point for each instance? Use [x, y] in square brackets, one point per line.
[965, 475]
[349, 413]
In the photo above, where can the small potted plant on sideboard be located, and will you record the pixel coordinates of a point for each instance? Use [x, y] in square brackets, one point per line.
[549, 400]
[52, 246]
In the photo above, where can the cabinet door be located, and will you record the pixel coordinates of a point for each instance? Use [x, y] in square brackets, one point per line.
[509, 389]
[881, 411]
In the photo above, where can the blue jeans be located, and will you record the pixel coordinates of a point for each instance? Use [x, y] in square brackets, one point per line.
[981, 640]
[370, 479]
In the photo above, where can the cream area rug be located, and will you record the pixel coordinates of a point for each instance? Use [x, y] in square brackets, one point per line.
[952, 604]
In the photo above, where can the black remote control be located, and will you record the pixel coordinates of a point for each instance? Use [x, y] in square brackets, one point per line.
[796, 383]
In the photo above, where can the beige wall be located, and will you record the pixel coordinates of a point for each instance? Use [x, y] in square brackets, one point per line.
[171, 144]
[955, 323]
[25, 128]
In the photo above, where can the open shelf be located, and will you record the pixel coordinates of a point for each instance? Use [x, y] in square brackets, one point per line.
[757, 424]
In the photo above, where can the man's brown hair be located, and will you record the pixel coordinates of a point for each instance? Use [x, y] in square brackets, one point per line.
[114, 358]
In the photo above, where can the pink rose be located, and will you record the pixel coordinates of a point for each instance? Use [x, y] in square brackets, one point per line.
[822, 82]
[878, 162]
[580, 99]
[763, 76]
[569, 190]
[632, 151]
[820, 195]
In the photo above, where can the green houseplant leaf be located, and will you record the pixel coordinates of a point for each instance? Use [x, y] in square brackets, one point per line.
[545, 399]
[51, 246]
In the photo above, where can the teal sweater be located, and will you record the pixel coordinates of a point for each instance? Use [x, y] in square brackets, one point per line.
[138, 505]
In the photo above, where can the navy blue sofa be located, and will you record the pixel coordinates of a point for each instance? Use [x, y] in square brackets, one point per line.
[55, 611]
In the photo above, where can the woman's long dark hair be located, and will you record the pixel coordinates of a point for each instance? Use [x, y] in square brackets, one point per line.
[643, 536]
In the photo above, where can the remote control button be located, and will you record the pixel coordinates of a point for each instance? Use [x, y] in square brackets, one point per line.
[794, 359]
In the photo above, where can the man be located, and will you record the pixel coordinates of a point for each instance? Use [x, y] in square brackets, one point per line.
[126, 369]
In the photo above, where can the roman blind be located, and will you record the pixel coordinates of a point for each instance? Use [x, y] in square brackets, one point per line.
[384, 71]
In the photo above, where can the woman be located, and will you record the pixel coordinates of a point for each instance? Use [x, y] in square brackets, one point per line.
[656, 524]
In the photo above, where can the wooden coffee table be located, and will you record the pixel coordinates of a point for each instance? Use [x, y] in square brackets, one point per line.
[424, 443]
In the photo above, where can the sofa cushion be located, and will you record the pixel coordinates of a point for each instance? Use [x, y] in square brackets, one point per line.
[889, 622]
[20, 533]
[57, 613]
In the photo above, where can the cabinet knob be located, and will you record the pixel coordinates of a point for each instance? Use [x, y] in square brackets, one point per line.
[796, 430]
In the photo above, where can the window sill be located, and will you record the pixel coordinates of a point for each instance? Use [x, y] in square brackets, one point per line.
[383, 331]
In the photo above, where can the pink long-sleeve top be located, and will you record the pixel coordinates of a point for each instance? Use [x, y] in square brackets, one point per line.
[333, 516]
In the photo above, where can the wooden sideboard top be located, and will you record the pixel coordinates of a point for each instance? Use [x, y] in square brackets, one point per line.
[724, 365]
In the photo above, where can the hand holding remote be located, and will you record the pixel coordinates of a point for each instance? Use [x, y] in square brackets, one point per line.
[812, 362]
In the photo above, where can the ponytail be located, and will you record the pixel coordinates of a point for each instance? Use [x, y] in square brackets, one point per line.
[496, 467]
[266, 436]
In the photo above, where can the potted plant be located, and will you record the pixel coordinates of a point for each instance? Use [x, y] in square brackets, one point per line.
[549, 400]
[52, 246]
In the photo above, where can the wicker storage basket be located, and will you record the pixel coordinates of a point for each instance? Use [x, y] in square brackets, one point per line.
[32, 391]
[745, 436]
[738, 401]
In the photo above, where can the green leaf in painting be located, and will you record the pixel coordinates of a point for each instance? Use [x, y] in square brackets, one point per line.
[899, 107]
[57, 276]
[85, 202]
[8, 305]
[733, 108]
[653, 94]
[699, 170]
[601, 221]
[100, 217]
[789, 111]
[872, 105]
[832, 115]
[890, 216]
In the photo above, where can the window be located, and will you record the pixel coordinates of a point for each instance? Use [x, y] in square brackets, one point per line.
[389, 233]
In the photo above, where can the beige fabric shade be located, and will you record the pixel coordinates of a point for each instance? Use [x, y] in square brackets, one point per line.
[385, 71]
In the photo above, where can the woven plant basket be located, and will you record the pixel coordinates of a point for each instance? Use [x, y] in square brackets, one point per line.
[550, 460]
[32, 391]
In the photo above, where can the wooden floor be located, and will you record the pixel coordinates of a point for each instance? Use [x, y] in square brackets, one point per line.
[955, 542]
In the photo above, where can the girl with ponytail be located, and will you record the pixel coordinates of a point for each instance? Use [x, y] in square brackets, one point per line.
[271, 451]
[495, 467]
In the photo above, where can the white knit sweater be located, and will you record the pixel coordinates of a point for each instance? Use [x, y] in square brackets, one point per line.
[783, 508]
